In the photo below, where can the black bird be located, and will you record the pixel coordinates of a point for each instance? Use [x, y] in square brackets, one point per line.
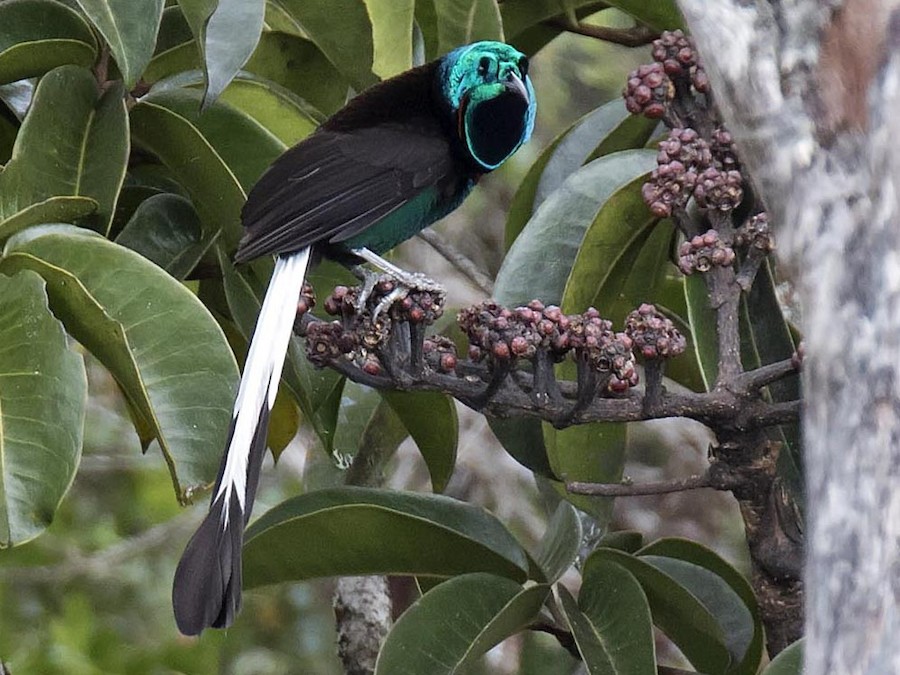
[395, 159]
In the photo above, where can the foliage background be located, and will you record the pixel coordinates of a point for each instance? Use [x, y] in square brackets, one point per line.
[92, 595]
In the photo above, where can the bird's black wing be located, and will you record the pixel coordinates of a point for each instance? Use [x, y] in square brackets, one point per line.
[337, 183]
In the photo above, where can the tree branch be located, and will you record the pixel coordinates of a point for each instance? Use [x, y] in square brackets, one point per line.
[641, 489]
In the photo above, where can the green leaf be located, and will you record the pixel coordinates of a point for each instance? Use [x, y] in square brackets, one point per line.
[43, 392]
[560, 543]
[279, 20]
[675, 610]
[300, 66]
[352, 57]
[623, 540]
[698, 555]
[366, 423]
[215, 191]
[36, 36]
[430, 418]
[518, 15]
[51, 210]
[622, 233]
[197, 13]
[129, 28]
[788, 662]
[230, 36]
[607, 129]
[703, 328]
[523, 439]
[362, 531]
[460, 22]
[165, 350]
[611, 622]
[312, 388]
[241, 142]
[593, 453]
[552, 238]
[166, 230]
[73, 142]
[659, 15]
[392, 32]
[449, 628]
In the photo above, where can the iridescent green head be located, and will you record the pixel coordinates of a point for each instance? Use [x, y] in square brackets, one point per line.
[489, 92]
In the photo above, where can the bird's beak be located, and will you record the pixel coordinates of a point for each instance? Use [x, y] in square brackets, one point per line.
[514, 84]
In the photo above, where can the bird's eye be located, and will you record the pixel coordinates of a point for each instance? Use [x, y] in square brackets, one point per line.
[523, 66]
[484, 64]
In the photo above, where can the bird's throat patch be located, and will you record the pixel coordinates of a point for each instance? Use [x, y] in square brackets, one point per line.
[493, 128]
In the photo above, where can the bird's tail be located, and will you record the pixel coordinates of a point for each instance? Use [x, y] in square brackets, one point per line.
[207, 588]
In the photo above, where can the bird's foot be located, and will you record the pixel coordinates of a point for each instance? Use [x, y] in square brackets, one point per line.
[405, 284]
[369, 281]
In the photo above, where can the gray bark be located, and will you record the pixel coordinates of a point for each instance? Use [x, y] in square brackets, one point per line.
[362, 610]
[811, 91]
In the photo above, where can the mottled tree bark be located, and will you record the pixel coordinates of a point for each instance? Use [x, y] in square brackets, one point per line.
[810, 90]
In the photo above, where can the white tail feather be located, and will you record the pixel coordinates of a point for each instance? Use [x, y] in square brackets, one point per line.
[262, 371]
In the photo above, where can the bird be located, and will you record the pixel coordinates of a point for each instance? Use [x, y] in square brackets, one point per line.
[396, 158]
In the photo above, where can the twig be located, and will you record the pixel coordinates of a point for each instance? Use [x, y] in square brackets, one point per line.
[756, 379]
[640, 489]
[459, 260]
[627, 37]
[564, 637]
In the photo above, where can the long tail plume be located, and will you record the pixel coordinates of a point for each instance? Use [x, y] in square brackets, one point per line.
[207, 588]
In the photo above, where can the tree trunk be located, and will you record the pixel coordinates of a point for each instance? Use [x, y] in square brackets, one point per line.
[810, 90]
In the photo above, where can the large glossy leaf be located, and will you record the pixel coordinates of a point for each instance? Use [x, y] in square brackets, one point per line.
[788, 662]
[702, 319]
[660, 14]
[357, 531]
[166, 229]
[621, 235]
[165, 350]
[560, 542]
[312, 388]
[36, 36]
[551, 240]
[366, 423]
[518, 15]
[460, 22]
[431, 420]
[43, 391]
[215, 191]
[73, 142]
[611, 622]
[230, 36]
[301, 67]
[245, 146]
[607, 129]
[130, 30]
[197, 13]
[450, 627]
[352, 57]
[700, 556]
[675, 610]
[593, 453]
[392, 33]
[51, 210]
[523, 439]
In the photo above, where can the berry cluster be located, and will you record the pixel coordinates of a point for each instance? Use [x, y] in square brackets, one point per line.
[755, 233]
[702, 252]
[307, 299]
[719, 190]
[440, 353]
[648, 91]
[594, 342]
[674, 51]
[654, 335]
[680, 159]
[723, 152]
[506, 333]
[326, 341]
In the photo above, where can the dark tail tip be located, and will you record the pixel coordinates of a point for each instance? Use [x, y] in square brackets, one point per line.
[207, 588]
